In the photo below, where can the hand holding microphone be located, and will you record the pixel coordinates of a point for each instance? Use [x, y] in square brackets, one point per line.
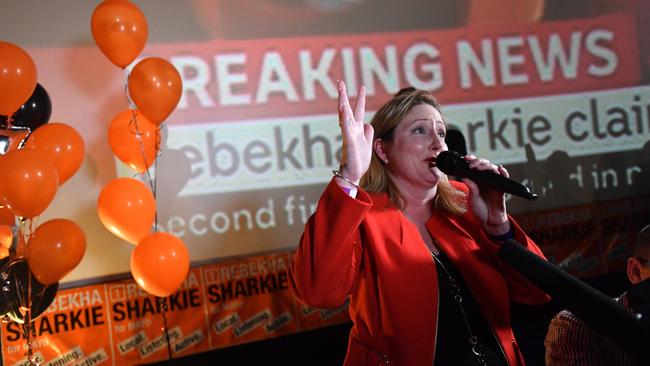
[452, 163]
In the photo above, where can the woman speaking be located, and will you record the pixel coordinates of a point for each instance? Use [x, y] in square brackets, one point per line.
[414, 252]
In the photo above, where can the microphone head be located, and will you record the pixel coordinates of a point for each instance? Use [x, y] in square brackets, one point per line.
[449, 162]
[454, 164]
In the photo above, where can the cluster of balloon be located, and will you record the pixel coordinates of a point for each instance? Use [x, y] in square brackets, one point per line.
[36, 157]
[126, 206]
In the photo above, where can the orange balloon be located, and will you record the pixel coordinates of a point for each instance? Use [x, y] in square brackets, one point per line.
[29, 181]
[6, 236]
[56, 248]
[127, 208]
[155, 87]
[62, 144]
[120, 30]
[17, 78]
[6, 216]
[134, 139]
[159, 264]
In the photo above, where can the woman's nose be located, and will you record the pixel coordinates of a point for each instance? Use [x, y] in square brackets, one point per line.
[437, 142]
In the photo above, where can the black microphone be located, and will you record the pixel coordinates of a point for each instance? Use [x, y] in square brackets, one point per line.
[596, 309]
[452, 163]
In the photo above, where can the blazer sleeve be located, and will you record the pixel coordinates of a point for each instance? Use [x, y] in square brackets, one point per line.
[325, 266]
[520, 289]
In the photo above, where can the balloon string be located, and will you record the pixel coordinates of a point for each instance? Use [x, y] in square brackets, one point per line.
[26, 230]
[37, 298]
[20, 251]
[19, 293]
[152, 182]
[126, 90]
[155, 188]
[24, 298]
[165, 329]
[134, 123]
[27, 323]
[135, 129]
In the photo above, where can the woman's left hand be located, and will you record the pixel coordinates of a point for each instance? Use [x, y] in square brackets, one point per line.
[487, 204]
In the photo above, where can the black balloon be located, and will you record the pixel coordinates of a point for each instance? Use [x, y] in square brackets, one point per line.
[14, 277]
[34, 113]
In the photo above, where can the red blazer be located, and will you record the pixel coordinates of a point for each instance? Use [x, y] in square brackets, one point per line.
[367, 250]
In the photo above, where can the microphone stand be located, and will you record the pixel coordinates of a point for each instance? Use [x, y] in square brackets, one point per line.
[593, 307]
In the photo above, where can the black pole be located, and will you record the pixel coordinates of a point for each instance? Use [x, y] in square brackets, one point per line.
[597, 310]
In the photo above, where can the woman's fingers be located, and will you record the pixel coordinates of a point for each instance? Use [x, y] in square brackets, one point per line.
[341, 104]
[346, 116]
[360, 107]
[481, 164]
[504, 171]
[345, 111]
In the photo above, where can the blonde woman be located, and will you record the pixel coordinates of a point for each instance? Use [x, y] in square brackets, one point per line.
[414, 252]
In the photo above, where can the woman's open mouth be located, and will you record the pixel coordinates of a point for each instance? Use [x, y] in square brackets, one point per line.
[432, 162]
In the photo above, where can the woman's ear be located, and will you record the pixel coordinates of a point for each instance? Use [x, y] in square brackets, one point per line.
[633, 270]
[381, 150]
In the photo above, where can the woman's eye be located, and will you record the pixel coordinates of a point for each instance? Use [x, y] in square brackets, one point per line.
[418, 130]
[442, 134]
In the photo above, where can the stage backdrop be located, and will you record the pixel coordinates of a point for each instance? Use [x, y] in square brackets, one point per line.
[559, 94]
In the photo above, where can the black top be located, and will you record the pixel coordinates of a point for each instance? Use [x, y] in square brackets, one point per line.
[452, 338]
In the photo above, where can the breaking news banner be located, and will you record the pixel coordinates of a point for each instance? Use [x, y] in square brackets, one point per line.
[228, 80]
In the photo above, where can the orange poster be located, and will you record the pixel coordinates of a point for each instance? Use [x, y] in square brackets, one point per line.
[249, 300]
[136, 321]
[218, 305]
[74, 330]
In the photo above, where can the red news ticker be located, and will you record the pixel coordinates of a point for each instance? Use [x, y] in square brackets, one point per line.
[227, 80]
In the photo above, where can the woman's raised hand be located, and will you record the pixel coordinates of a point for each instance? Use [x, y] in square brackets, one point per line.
[357, 136]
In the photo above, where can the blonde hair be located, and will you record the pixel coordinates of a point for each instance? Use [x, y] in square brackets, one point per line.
[384, 123]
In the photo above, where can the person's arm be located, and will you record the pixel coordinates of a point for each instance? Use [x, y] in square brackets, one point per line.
[569, 342]
[325, 267]
[328, 259]
[488, 209]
